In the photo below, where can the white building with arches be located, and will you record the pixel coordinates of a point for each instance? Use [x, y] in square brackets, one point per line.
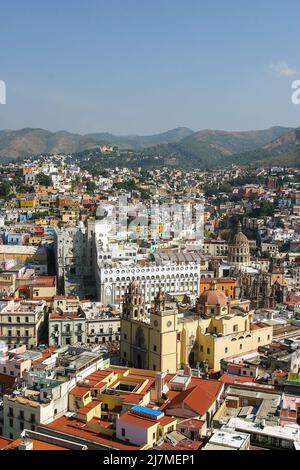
[175, 277]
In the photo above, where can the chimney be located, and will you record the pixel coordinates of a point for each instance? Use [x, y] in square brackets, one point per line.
[187, 370]
[159, 385]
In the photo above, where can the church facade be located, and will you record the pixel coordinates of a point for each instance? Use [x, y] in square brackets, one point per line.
[265, 289]
[174, 337]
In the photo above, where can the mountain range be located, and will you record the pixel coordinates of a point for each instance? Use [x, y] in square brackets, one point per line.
[28, 142]
[181, 146]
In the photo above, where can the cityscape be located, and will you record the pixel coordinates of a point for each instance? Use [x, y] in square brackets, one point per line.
[149, 283]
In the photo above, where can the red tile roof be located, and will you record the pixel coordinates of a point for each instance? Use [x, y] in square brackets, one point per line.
[137, 421]
[5, 442]
[72, 427]
[199, 397]
[192, 423]
[234, 379]
[79, 391]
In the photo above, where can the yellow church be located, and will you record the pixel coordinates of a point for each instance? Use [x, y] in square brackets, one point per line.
[178, 335]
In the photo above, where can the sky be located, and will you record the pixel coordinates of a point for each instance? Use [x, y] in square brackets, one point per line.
[142, 67]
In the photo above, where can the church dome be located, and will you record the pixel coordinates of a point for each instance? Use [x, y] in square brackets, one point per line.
[239, 238]
[213, 296]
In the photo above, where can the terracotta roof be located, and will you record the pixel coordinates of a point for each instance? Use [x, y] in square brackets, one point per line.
[213, 297]
[192, 423]
[79, 391]
[37, 445]
[90, 406]
[182, 445]
[200, 395]
[234, 379]
[5, 442]
[138, 421]
[72, 427]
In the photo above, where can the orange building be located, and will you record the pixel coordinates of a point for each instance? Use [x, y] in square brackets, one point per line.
[230, 286]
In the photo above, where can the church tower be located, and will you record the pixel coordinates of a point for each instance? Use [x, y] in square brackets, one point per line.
[133, 321]
[238, 249]
[163, 351]
[133, 303]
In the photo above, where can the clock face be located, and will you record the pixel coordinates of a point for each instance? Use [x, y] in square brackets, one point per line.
[155, 323]
[169, 324]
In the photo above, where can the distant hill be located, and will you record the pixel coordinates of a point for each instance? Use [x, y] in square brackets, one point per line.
[178, 147]
[284, 151]
[209, 148]
[29, 142]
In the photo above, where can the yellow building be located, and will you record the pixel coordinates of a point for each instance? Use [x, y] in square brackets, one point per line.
[23, 254]
[35, 240]
[213, 329]
[28, 203]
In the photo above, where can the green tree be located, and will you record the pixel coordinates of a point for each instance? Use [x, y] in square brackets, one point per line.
[4, 189]
[90, 187]
[44, 180]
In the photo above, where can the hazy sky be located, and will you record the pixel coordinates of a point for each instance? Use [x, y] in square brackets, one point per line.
[145, 66]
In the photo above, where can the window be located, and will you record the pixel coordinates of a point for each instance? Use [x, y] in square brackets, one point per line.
[235, 328]
[18, 319]
[201, 348]
[241, 346]
[208, 350]
[21, 426]
[125, 336]
[123, 432]
[32, 427]
[258, 340]
[11, 423]
[26, 319]
[10, 412]
[154, 348]
[226, 350]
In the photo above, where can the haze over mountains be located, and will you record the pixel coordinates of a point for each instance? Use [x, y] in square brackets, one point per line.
[182, 146]
[28, 141]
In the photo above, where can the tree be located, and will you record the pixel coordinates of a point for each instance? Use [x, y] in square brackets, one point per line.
[44, 180]
[91, 187]
[4, 189]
